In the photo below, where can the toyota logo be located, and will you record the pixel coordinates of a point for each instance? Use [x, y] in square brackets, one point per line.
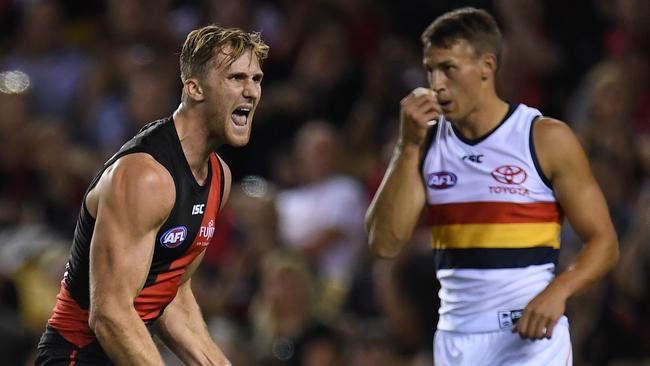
[509, 174]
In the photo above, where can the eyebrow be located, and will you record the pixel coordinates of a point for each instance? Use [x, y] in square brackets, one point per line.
[243, 73]
[442, 63]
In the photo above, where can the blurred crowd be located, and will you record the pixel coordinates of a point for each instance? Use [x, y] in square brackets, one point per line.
[289, 280]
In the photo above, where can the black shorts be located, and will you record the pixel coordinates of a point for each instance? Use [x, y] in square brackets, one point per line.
[54, 350]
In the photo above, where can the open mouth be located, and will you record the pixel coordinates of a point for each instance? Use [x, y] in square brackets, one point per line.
[444, 104]
[240, 115]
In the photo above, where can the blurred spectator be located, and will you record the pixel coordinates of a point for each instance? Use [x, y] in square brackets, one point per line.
[404, 292]
[528, 54]
[319, 345]
[322, 218]
[55, 69]
[284, 307]
[607, 133]
[117, 117]
[372, 347]
[229, 278]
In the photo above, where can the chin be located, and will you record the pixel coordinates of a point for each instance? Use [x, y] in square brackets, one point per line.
[451, 115]
[238, 141]
[237, 136]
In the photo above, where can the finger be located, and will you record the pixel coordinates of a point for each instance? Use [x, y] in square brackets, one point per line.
[548, 332]
[427, 110]
[540, 332]
[536, 329]
[422, 119]
[549, 329]
[418, 94]
[429, 107]
[522, 324]
[422, 91]
[533, 327]
[430, 116]
[425, 100]
[529, 332]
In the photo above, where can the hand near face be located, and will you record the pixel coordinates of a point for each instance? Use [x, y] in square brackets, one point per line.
[541, 315]
[416, 111]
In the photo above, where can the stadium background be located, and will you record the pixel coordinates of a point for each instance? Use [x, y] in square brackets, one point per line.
[77, 78]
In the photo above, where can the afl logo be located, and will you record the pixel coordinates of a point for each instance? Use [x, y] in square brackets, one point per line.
[173, 237]
[441, 180]
[509, 174]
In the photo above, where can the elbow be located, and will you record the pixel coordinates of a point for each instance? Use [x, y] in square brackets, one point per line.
[614, 253]
[100, 319]
[383, 241]
[384, 248]
[368, 220]
[95, 319]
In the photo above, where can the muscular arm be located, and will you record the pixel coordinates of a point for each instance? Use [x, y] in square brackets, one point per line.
[181, 326]
[396, 207]
[565, 163]
[131, 201]
[183, 329]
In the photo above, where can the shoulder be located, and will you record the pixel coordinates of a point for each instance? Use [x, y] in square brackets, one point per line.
[139, 170]
[553, 137]
[547, 128]
[556, 145]
[139, 182]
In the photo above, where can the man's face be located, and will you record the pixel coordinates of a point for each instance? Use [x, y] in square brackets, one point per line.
[454, 73]
[232, 92]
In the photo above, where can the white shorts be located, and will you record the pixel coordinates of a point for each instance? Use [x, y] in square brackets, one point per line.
[502, 348]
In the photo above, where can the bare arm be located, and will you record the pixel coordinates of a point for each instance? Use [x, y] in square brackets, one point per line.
[396, 207]
[181, 326]
[183, 329]
[565, 163]
[131, 201]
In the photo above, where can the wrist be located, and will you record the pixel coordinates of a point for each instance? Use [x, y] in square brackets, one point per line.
[405, 147]
[561, 288]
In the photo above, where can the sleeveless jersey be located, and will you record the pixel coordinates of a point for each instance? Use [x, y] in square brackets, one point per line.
[186, 233]
[496, 223]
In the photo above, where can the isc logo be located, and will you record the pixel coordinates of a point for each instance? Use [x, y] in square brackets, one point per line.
[173, 237]
[197, 209]
[441, 180]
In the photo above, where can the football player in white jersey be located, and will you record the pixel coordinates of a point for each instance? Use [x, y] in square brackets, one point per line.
[461, 57]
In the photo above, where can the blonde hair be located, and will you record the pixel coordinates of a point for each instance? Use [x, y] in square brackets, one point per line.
[200, 44]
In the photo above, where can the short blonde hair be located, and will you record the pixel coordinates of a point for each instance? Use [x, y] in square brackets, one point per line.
[200, 44]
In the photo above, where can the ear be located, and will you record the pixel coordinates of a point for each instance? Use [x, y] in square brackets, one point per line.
[488, 66]
[194, 90]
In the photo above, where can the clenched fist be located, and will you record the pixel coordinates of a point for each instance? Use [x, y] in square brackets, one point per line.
[417, 110]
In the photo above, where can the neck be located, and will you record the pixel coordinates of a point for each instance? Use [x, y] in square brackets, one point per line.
[486, 115]
[196, 139]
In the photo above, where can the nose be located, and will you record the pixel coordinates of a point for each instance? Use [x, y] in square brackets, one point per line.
[252, 90]
[437, 80]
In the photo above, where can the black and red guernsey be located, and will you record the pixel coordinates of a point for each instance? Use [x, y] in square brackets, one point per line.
[189, 229]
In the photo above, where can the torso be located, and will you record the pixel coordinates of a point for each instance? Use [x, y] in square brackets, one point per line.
[185, 234]
[495, 219]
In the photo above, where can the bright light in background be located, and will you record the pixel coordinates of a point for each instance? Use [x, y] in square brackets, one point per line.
[254, 186]
[14, 82]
